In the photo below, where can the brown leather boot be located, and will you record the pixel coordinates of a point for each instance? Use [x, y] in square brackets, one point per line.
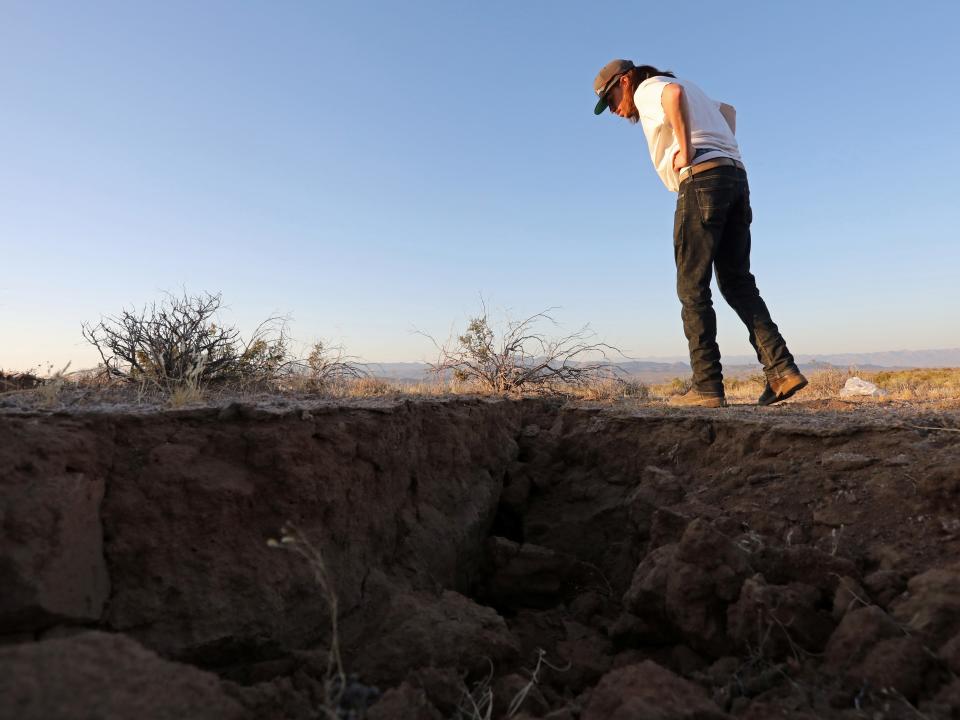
[781, 388]
[695, 398]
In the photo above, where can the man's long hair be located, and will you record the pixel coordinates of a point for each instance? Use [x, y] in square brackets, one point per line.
[643, 72]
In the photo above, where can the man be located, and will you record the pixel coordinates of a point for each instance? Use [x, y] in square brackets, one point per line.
[692, 145]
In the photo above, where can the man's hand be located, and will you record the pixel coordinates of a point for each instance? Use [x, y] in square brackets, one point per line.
[681, 159]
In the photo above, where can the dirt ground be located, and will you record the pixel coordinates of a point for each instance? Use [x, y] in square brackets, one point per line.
[490, 558]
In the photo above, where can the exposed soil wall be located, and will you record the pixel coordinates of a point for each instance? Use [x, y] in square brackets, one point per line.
[780, 563]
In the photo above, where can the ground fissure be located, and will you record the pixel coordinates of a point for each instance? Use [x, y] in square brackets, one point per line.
[790, 562]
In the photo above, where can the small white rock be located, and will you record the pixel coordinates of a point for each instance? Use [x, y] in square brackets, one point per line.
[855, 386]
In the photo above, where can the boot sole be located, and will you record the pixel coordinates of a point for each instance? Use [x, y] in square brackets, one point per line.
[718, 403]
[788, 394]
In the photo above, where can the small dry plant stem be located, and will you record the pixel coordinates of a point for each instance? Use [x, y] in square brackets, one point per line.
[293, 540]
[935, 427]
[477, 704]
[518, 699]
[50, 389]
[189, 388]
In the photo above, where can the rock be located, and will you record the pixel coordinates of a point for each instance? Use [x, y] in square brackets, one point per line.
[647, 594]
[657, 487]
[515, 688]
[950, 654]
[277, 699]
[423, 631]
[885, 585]
[404, 701]
[443, 687]
[585, 605]
[946, 702]
[932, 605]
[848, 596]
[761, 710]
[109, 677]
[649, 691]
[803, 564]
[688, 586]
[587, 654]
[52, 567]
[777, 619]
[845, 461]
[685, 661]
[525, 575]
[666, 527]
[858, 632]
[899, 663]
[628, 629]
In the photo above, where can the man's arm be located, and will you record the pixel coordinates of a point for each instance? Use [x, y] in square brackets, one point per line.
[674, 102]
[729, 113]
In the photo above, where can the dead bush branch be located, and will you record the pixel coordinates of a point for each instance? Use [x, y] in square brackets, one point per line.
[520, 358]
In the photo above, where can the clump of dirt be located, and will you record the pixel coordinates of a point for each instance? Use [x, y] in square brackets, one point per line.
[540, 559]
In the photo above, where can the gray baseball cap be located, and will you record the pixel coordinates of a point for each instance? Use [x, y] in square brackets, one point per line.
[606, 78]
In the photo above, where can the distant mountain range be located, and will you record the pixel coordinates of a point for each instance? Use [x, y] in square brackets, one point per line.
[658, 369]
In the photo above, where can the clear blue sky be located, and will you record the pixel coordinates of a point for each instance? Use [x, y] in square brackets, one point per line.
[373, 168]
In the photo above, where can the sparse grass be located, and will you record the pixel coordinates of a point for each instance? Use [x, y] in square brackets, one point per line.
[918, 385]
[828, 383]
[49, 389]
[610, 389]
[925, 384]
[675, 386]
[190, 388]
[939, 387]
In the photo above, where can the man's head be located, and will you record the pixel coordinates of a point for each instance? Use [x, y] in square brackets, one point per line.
[614, 88]
[616, 83]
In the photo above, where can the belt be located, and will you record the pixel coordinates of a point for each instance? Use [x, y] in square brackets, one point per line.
[709, 165]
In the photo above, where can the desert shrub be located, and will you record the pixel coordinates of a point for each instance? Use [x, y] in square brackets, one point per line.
[519, 358]
[178, 341]
[328, 364]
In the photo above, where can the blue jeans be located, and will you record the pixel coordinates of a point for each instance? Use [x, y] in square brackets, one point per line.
[711, 230]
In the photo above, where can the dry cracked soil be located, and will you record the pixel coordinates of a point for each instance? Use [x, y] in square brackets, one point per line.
[539, 559]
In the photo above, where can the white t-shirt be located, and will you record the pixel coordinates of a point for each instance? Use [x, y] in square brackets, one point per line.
[708, 128]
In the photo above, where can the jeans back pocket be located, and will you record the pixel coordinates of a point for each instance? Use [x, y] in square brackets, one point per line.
[715, 197]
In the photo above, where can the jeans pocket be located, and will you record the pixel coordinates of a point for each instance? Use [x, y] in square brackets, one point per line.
[713, 203]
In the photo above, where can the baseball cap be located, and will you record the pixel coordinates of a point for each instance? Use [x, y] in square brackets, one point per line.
[605, 80]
